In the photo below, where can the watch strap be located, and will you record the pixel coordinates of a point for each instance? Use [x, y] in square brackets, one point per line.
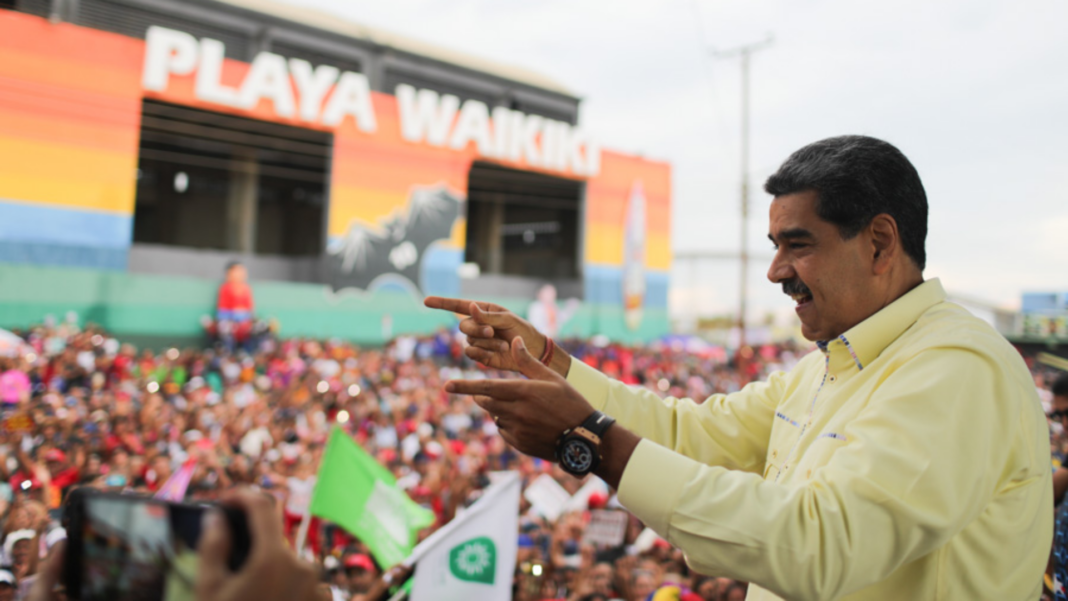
[597, 423]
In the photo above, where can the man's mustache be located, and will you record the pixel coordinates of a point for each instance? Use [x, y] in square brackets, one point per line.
[795, 286]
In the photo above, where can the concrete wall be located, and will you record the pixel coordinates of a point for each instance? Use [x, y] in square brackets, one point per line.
[209, 264]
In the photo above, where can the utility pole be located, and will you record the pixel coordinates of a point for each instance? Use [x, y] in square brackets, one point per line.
[744, 52]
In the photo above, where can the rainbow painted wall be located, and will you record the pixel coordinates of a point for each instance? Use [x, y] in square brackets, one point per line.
[70, 102]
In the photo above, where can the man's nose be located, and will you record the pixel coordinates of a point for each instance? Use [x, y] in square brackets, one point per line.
[780, 269]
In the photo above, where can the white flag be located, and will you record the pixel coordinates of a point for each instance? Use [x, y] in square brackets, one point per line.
[472, 558]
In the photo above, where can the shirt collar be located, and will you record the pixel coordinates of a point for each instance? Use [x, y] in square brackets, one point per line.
[862, 343]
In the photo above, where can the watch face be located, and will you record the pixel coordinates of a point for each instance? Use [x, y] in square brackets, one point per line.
[577, 456]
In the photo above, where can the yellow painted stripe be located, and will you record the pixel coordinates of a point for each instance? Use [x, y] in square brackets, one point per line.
[604, 245]
[351, 203]
[459, 234]
[67, 175]
[658, 252]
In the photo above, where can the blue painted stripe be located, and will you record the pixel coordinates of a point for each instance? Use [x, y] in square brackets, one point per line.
[66, 255]
[41, 224]
[604, 285]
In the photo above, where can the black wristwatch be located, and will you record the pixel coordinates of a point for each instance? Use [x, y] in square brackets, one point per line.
[579, 449]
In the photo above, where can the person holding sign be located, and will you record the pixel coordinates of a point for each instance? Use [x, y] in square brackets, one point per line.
[907, 458]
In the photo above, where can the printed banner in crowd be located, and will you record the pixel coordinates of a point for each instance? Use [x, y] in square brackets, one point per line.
[607, 528]
[356, 493]
[472, 558]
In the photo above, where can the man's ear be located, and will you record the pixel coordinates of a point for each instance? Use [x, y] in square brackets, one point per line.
[885, 242]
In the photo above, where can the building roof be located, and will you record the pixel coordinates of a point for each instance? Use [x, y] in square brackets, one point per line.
[333, 23]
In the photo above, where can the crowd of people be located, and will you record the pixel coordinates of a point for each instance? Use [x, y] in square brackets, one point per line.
[82, 409]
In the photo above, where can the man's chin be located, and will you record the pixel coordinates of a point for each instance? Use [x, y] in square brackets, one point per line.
[811, 333]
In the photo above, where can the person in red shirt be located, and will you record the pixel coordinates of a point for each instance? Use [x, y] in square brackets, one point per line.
[124, 435]
[64, 474]
[234, 308]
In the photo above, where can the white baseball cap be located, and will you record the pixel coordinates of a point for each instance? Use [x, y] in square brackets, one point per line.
[8, 578]
[16, 536]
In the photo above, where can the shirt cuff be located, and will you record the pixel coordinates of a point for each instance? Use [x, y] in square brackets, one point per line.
[652, 483]
[591, 384]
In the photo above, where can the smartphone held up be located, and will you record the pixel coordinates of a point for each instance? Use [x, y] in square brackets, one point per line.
[135, 548]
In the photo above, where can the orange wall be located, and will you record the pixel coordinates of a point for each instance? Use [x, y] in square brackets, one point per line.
[70, 115]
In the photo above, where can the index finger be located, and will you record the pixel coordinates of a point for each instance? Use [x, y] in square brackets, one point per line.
[505, 390]
[456, 305]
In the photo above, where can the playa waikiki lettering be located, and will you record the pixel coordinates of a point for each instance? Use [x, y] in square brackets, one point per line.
[325, 96]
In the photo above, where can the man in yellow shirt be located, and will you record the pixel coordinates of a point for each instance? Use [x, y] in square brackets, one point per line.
[906, 459]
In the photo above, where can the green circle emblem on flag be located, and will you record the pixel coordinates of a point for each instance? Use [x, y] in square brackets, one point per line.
[474, 560]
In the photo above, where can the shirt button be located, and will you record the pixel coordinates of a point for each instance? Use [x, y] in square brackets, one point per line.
[774, 453]
[808, 474]
[832, 379]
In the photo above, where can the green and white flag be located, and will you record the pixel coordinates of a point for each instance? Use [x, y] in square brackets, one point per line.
[472, 558]
[355, 492]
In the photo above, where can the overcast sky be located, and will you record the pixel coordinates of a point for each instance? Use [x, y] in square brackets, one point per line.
[974, 92]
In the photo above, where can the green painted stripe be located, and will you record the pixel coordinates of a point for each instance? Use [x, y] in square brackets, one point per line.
[148, 306]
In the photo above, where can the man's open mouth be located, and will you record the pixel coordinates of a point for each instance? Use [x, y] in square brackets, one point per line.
[797, 290]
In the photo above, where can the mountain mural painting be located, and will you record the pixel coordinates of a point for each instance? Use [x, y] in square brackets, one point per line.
[368, 255]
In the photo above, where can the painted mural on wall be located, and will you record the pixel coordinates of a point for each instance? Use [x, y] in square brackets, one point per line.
[391, 252]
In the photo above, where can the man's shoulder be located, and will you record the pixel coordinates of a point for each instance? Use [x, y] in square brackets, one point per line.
[948, 325]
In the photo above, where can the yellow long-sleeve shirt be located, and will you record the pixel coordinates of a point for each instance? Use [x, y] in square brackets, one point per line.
[907, 460]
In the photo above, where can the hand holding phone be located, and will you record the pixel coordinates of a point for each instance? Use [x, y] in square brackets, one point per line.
[271, 573]
[128, 547]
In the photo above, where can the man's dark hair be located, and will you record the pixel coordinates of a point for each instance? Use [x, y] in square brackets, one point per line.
[1060, 386]
[855, 179]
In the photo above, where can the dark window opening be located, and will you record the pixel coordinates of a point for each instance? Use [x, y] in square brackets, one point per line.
[521, 223]
[214, 181]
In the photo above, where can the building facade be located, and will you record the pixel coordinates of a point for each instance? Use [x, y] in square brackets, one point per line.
[144, 144]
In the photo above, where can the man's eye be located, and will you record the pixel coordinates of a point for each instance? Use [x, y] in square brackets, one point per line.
[797, 245]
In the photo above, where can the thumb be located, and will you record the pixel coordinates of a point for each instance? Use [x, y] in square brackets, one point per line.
[529, 366]
[213, 551]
